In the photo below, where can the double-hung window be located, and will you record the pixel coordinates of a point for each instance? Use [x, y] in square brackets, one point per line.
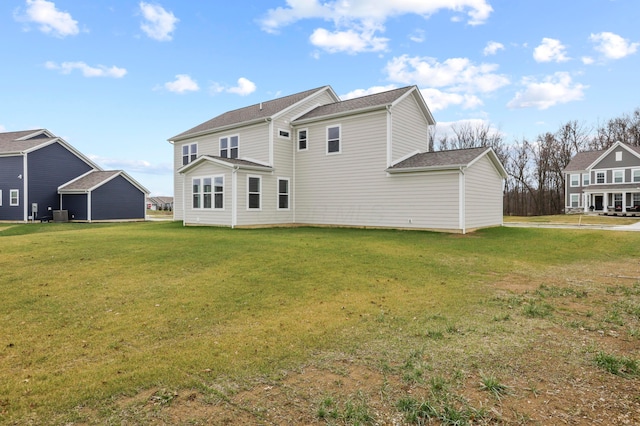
[206, 193]
[302, 139]
[636, 198]
[618, 176]
[575, 180]
[197, 192]
[14, 197]
[600, 177]
[585, 179]
[635, 175]
[229, 146]
[575, 200]
[218, 192]
[333, 139]
[189, 153]
[283, 194]
[254, 192]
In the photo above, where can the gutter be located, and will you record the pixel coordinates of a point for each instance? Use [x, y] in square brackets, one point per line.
[340, 114]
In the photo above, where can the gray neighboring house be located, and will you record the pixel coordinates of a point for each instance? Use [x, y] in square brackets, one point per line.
[160, 203]
[606, 181]
[312, 159]
[40, 174]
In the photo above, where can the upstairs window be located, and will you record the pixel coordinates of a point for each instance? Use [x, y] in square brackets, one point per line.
[618, 155]
[600, 177]
[189, 153]
[14, 197]
[636, 175]
[302, 139]
[618, 176]
[229, 147]
[284, 134]
[575, 180]
[254, 195]
[585, 179]
[333, 139]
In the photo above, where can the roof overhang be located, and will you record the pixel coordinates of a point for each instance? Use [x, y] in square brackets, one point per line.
[179, 138]
[224, 163]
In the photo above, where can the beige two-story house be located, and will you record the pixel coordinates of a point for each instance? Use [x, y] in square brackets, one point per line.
[312, 159]
[606, 181]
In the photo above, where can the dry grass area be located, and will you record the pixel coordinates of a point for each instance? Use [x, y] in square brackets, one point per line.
[542, 350]
[575, 219]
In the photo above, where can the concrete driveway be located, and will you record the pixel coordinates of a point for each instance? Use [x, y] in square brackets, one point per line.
[633, 227]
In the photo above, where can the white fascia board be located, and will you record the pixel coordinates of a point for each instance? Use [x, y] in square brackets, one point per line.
[447, 168]
[37, 133]
[340, 114]
[219, 129]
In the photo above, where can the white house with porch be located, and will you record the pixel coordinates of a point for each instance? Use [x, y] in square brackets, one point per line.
[605, 181]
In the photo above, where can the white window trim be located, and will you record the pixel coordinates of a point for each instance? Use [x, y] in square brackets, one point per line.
[577, 180]
[288, 193]
[634, 171]
[253, 209]
[618, 155]
[587, 181]
[11, 197]
[339, 151]
[577, 200]
[228, 137]
[213, 193]
[604, 176]
[200, 193]
[298, 140]
[189, 153]
[0, 197]
[613, 175]
[288, 132]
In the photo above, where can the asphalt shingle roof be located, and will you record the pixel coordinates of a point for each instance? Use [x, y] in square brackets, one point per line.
[582, 160]
[10, 145]
[363, 102]
[250, 113]
[455, 157]
[89, 181]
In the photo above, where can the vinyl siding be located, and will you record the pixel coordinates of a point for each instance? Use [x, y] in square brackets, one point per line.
[352, 188]
[10, 168]
[117, 199]
[76, 205]
[609, 161]
[483, 199]
[410, 130]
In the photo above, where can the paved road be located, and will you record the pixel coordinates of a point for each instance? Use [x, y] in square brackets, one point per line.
[633, 227]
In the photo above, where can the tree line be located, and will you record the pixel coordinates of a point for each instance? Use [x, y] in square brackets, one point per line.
[535, 184]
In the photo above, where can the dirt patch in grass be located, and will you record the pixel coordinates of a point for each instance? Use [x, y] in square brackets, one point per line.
[549, 376]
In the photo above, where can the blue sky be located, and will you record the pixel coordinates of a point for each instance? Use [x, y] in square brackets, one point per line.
[117, 78]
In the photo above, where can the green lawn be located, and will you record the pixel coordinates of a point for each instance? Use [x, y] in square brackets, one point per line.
[93, 313]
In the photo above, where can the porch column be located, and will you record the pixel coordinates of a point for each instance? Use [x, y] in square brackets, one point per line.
[624, 202]
[605, 202]
[585, 202]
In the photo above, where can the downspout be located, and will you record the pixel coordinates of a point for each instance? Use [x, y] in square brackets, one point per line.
[184, 205]
[89, 206]
[25, 188]
[461, 196]
[294, 150]
[389, 137]
[234, 197]
[271, 154]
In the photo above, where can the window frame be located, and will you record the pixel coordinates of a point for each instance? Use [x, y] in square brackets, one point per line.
[281, 136]
[635, 175]
[14, 194]
[577, 201]
[196, 196]
[338, 139]
[586, 179]
[229, 148]
[191, 154]
[0, 197]
[574, 179]
[215, 193]
[250, 193]
[635, 198]
[286, 194]
[306, 139]
[620, 173]
[202, 193]
[618, 155]
[604, 177]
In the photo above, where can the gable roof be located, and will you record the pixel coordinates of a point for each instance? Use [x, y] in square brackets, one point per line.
[94, 179]
[25, 140]
[227, 162]
[586, 159]
[250, 114]
[446, 160]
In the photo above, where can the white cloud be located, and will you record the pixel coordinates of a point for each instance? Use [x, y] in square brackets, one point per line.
[551, 50]
[457, 74]
[587, 60]
[129, 166]
[612, 46]
[364, 92]
[182, 84]
[87, 71]
[417, 36]
[158, 24]
[349, 41]
[2, 128]
[357, 21]
[552, 90]
[51, 20]
[439, 100]
[492, 48]
[245, 87]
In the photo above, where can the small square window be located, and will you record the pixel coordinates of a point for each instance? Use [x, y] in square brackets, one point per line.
[618, 155]
[284, 134]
